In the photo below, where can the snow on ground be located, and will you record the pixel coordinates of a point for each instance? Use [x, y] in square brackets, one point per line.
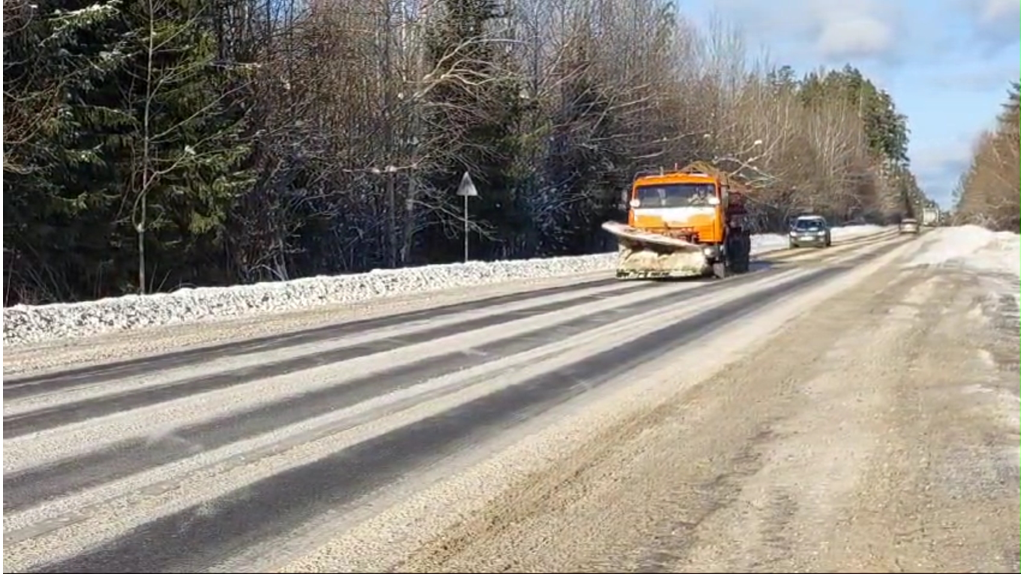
[971, 247]
[28, 324]
[993, 256]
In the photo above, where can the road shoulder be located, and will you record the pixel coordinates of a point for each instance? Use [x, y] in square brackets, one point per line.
[875, 433]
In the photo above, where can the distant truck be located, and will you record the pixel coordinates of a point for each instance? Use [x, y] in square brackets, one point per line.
[930, 216]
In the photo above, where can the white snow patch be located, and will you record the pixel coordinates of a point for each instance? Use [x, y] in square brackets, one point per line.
[989, 253]
[971, 247]
[29, 324]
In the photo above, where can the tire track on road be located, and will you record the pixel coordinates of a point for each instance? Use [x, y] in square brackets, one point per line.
[52, 417]
[36, 420]
[28, 385]
[375, 462]
[200, 536]
[22, 386]
[26, 488]
[791, 255]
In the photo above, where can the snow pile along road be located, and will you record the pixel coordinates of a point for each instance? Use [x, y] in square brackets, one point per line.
[994, 256]
[32, 324]
[973, 248]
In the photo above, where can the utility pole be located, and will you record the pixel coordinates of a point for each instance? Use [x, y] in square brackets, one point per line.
[466, 189]
[390, 172]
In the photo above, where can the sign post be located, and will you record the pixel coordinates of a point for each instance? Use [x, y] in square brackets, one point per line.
[467, 190]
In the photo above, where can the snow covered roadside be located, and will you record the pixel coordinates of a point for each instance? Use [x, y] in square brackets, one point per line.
[972, 247]
[32, 324]
[995, 256]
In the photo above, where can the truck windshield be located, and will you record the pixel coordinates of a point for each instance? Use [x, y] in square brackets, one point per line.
[675, 194]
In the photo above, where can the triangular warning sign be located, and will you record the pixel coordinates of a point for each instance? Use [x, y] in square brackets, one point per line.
[466, 186]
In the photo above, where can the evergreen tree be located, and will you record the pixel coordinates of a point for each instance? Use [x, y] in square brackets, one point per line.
[139, 143]
[1009, 120]
[478, 107]
[187, 145]
[60, 191]
[885, 128]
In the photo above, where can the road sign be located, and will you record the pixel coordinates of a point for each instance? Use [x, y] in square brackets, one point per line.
[467, 190]
[466, 187]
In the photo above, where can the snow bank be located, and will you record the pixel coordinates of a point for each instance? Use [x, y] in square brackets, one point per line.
[27, 324]
[971, 247]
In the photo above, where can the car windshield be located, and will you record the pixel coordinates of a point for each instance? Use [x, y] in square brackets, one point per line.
[675, 195]
[808, 224]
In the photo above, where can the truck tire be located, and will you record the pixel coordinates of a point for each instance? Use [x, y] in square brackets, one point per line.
[742, 264]
[738, 253]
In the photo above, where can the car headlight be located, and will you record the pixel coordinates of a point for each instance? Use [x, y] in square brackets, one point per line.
[792, 233]
[822, 232]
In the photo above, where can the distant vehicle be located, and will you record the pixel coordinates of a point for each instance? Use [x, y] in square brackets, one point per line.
[810, 230]
[909, 225]
[930, 216]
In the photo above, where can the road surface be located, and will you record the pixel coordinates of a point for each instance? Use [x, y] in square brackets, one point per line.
[830, 411]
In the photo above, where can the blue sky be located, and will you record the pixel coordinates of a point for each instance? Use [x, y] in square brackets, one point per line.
[947, 63]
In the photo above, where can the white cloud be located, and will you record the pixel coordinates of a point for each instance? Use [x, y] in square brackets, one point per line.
[836, 29]
[861, 36]
[995, 11]
[940, 158]
[979, 78]
[996, 23]
[938, 167]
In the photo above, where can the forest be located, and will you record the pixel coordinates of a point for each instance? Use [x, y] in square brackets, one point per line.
[151, 145]
[989, 191]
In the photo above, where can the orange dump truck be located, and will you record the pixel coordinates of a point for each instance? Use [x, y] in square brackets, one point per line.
[683, 223]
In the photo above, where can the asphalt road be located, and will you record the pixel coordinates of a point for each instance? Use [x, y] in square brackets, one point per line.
[272, 452]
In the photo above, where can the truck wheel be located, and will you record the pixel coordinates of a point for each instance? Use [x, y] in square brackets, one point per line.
[739, 261]
[743, 263]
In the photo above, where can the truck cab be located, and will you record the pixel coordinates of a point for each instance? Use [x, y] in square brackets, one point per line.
[689, 204]
[679, 205]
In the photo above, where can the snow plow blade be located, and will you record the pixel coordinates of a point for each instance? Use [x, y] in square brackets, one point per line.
[643, 254]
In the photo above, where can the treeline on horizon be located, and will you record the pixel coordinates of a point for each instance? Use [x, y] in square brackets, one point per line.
[156, 144]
